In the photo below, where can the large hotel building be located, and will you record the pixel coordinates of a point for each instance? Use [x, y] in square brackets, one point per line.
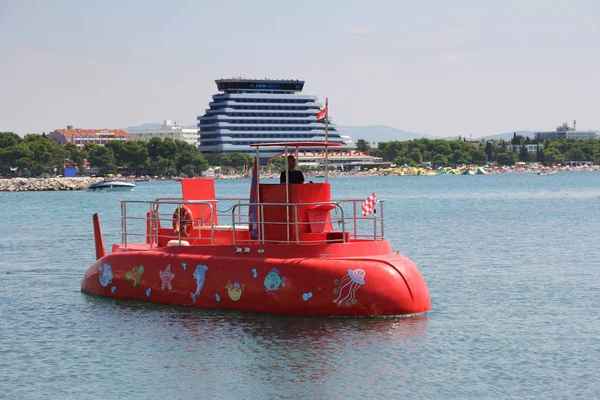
[262, 111]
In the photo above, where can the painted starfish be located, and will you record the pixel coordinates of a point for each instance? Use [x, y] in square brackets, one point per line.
[166, 277]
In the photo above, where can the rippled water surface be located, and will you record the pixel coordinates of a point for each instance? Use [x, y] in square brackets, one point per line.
[512, 263]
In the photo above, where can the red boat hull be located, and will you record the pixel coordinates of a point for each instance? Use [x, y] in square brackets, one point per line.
[346, 279]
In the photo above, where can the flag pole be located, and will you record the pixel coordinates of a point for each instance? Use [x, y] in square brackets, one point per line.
[326, 139]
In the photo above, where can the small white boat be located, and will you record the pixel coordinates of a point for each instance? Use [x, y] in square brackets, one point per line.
[111, 186]
[546, 173]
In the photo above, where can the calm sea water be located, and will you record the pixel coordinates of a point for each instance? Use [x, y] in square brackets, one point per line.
[512, 263]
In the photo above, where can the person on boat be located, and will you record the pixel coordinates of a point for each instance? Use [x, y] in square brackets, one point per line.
[296, 176]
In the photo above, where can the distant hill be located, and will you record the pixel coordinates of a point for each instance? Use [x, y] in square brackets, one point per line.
[381, 133]
[151, 125]
[375, 133]
[507, 135]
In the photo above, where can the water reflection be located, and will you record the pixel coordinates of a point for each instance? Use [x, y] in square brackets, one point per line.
[262, 350]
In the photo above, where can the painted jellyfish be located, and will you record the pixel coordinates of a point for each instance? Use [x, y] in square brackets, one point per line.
[346, 287]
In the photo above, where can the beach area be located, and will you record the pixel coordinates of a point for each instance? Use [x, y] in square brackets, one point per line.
[80, 183]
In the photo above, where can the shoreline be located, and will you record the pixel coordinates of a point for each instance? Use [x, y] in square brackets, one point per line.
[45, 184]
[81, 183]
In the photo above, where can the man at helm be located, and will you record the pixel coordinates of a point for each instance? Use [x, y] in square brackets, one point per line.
[295, 175]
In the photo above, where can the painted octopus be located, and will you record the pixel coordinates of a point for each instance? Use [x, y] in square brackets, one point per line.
[346, 287]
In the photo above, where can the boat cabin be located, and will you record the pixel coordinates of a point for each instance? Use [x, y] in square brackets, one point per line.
[272, 213]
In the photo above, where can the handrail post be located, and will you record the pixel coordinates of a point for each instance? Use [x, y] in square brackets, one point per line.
[262, 224]
[212, 224]
[375, 224]
[296, 223]
[123, 224]
[180, 222]
[233, 222]
[343, 222]
[354, 205]
[151, 233]
[381, 220]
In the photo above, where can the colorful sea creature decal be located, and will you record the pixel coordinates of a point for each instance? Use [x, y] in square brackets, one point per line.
[235, 290]
[166, 277]
[112, 289]
[135, 275]
[306, 296]
[183, 265]
[199, 276]
[254, 273]
[346, 287]
[105, 274]
[148, 291]
[217, 297]
[273, 280]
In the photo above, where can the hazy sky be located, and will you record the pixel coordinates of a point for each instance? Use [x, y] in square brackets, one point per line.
[439, 67]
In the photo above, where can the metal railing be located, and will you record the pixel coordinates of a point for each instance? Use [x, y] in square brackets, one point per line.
[295, 225]
[345, 216]
[152, 221]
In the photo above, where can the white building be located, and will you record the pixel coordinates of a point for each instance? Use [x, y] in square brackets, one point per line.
[249, 111]
[565, 132]
[169, 129]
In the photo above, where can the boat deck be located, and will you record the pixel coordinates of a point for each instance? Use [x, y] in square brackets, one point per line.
[283, 223]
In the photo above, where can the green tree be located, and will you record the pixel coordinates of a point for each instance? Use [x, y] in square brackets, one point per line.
[168, 149]
[117, 146]
[237, 160]
[403, 160]
[212, 158]
[416, 156]
[45, 153]
[576, 155]
[278, 163]
[163, 166]
[153, 147]
[363, 145]
[8, 139]
[101, 157]
[18, 155]
[489, 151]
[523, 153]
[134, 153]
[553, 156]
[439, 160]
[459, 157]
[189, 159]
[506, 158]
[479, 157]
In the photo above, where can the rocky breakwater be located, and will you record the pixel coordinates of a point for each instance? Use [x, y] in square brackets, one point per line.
[45, 184]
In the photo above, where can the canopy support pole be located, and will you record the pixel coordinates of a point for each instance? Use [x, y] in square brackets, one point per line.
[287, 194]
[326, 139]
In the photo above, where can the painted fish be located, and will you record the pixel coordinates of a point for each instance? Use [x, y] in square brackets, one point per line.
[235, 290]
[273, 280]
[200, 276]
[105, 274]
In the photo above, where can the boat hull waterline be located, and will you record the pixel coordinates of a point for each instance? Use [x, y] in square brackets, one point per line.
[111, 186]
[316, 280]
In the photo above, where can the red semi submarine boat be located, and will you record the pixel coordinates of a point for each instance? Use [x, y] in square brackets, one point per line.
[290, 250]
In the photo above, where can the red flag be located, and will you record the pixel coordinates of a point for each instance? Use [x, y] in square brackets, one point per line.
[322, 114]
[369, 205]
